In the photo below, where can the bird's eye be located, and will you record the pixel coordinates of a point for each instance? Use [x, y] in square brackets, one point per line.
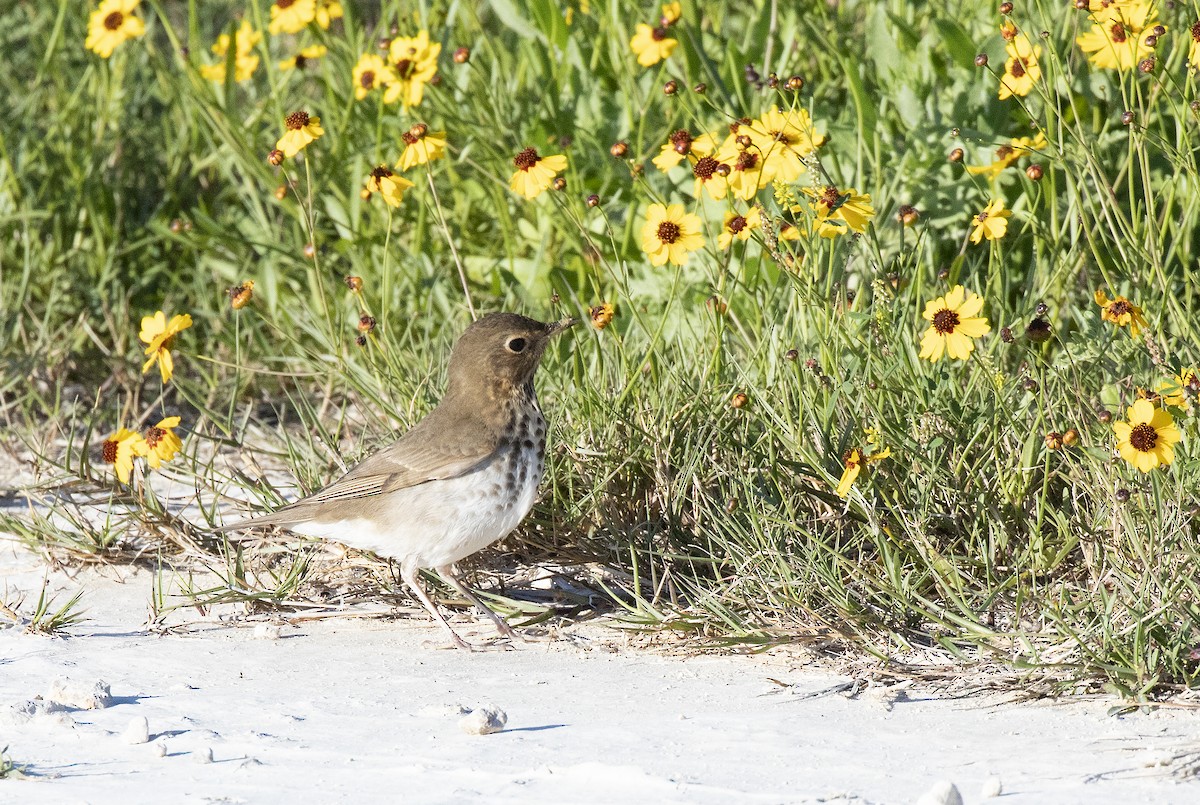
[516, 345]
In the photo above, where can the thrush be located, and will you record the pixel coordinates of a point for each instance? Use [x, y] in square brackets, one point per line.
[461, 479]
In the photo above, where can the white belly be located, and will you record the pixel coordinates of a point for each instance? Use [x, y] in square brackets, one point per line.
[440, 522]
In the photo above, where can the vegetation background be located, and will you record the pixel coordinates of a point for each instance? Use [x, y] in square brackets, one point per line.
[699, 438]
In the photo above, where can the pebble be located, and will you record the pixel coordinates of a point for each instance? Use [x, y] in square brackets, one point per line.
[484, 721]
[943, 792]
[204, 755]
[80, 695]
[267, 631]
[137, 732]
[992, 787]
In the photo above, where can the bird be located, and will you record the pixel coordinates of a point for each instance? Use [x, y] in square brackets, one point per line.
[462, 478]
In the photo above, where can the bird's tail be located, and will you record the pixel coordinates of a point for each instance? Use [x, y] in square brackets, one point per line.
[288, 515]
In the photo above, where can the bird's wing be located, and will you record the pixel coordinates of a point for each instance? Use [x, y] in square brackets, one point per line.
[415, 459]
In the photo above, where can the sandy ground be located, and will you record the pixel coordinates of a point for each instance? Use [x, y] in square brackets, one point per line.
[361, 710]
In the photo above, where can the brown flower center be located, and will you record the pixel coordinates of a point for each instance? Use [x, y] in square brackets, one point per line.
[526, 159]
[830, 196]
[405, 68]
[945, 320]
[668, 232]
[704, 168]
[154, 436]
[681, 140]
[1196, 31]
[110, 451]
[983, 216]
[1118, 33]
[114, 21]
[1018, 68]
[282, 4]
[1004, 151]
[736, 224]
[1143, 437]
[296, 121]
[300, 61]
[1120, 307]
[382, 172]
[658, 34]
[746, 161]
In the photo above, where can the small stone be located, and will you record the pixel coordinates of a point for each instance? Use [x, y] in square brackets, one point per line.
[943, 792]
[992, 787]
[205, 756]
[137, 732]
[267, 631]
[160, 749]
[80, 695]
[483, 721]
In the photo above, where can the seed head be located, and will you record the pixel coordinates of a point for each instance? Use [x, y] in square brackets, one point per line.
[1054, 440]
[353, 283]
[1035, 173]
[462, 55]
[1151, 41]
[1126, 118]
[956, 155]
[795, 83]
[240, 295]
[361, 340]
[1104, 415]
[744, 141]
[981, 60]
[739, 400]
[309, 250]
[275, 157]
[1006, 8]
[1070, 436]
[1006, 335]
[671, 87]
[559, 183]
[1038, 330]
[723, 169]
[1122, 496]
[1146, 66]
[1042, 309]
[1029, 384]
[700, 88]
[593, 200]
[791, 355]
[907, 214]
[619, 149]
[366, 323]
[773, 81]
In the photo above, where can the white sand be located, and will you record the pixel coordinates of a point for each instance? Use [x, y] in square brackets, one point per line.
[354, 710]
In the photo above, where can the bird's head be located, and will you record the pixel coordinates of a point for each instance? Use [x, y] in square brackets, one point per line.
[498, 355]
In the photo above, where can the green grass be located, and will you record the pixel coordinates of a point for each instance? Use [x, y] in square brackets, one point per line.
[132, 185]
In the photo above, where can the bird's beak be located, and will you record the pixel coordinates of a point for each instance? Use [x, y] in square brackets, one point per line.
[556, 327]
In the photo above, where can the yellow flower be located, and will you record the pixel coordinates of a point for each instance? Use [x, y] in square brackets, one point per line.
[422, 145]
[954, 324]
[370, 73]
[1117, 38]
[301, 130]
[784, 139]
[839, 211]
[1121, 312]
[414, 63]
[738, 226]
[534, 173]
[992, 223]
[111, 24]
[745, 168]
[669, 234]
[302, 58]
[388, 185]
[291, 16]
[1008, 154]
[1194, 46]
[120, 450]
[679, 146]
[161, 443]
[671, 12]
[602, 315]
[245, 61]
[710, 176]
[159, 335]
[854, 461]
[327, 12]
[651, 45]
[1021, 70]
[1148, 438]
[1179, 389]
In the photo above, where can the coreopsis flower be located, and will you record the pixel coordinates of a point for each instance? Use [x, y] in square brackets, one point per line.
[602, 315]
[840, 211]
[111, 24]
[159, 336]
[738, 226]
[291, 16]
[954, 324]
[161, 442]
[651, 44]
[1121, 312]
[414, 63]
[678, 146]
[785, 139]
[120, 449]
[992, 223]
[671, 12]
[245, 62]
[327, 12]
[387, 184]
[1117, 38]
[300, 130]
[1148, 438]
[669, 234]
[745, 168]
[854, 460]
[370, 73]
[710, 177]
[1008, 154]
[422, 145]
[1178, 390]
[1021, 69]
[301, 59]
[1194, 46]
[241, 294]
[535, 173]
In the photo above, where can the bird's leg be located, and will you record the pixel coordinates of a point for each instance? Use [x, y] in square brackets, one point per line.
[447, 573]
[409, 574]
